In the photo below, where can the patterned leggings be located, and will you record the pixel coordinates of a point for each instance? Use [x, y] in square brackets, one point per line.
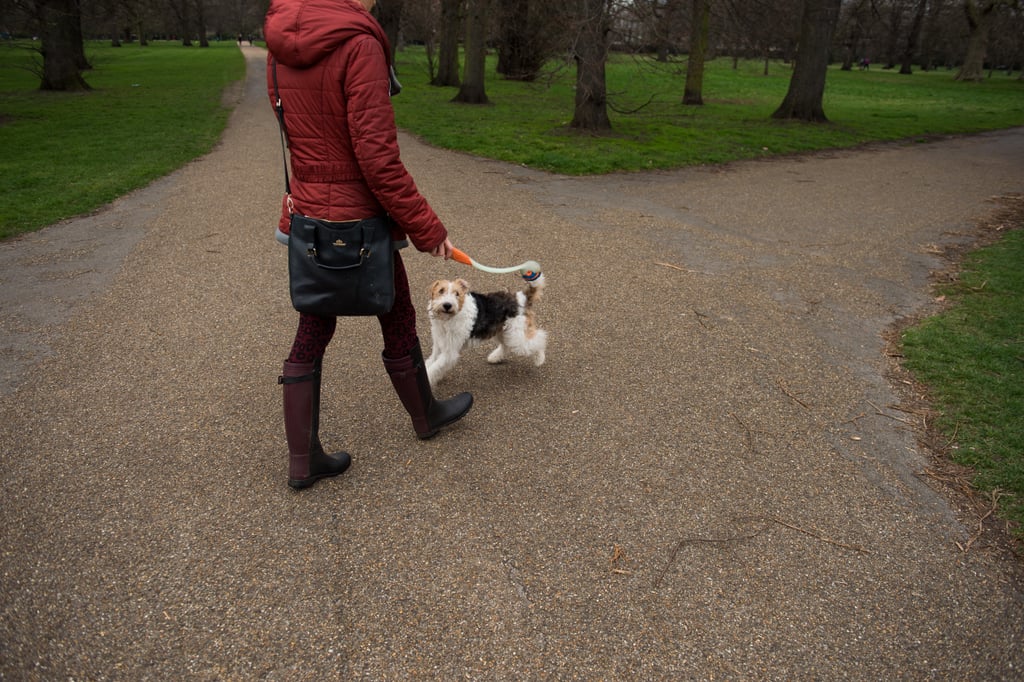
[397, 326]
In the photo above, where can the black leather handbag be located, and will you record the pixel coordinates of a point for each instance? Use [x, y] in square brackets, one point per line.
[343, 269]
[337, 269]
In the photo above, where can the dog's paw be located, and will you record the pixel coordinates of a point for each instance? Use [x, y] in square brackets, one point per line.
[497, 356]
[538, 359]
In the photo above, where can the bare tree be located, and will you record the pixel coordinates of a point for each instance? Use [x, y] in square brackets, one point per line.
[60, 30]
[472, 90]
[389, 14]
[200, 7]
[524, 37]
[913, 37]
[652, 25]
[183, 16]
[854, 27]
[590, 52]
[803, 100]
[420, 23]
[699, 27]
[897, 10]
[1006, 45]
[669, 27]
[940, 37]
[761, 28]
[448, 49]
[980, 17]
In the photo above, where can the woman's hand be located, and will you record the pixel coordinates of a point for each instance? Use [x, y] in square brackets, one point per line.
[443, 249]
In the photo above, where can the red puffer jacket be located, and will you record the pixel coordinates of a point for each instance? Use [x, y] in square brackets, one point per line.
[333, 66]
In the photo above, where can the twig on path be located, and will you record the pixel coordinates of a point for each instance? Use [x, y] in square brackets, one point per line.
[750, 436]
[994, 496]
[679, 268]
[952, 439]
[908, 410]
[878, 411]
[617, 556]
[692, 540]
[793, 397]
[817, 536]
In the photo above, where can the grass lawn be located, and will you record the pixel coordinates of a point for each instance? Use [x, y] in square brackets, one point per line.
[151, 110]
[971, 357]
[526, 123]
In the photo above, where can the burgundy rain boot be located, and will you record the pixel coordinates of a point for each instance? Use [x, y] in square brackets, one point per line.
[307, 462]
[409, 377]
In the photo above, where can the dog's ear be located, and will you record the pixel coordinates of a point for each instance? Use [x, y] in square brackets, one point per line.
[435, 286]
[462, 284]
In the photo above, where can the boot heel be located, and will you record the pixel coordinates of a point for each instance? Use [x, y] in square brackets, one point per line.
[409, 377]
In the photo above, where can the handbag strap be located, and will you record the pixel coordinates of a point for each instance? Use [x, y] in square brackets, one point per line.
[279, 108]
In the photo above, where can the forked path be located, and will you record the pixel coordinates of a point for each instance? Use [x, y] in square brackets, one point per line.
[706, 480]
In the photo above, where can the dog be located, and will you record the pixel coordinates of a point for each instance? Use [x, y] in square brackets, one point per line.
[460, 317]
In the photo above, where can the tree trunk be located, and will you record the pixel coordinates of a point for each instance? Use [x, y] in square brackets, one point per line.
[928, 33]
[979, 20]
[389, 14]
[517, 54]
[668, 29]
[847, 57]
[115, 32]
[895, 31]
[201, 24]
[699, 26]
[807, 85]
[62, 48]
[448, 50]
[183, 13]
[472, 89]
[590, 53]
[914, 37]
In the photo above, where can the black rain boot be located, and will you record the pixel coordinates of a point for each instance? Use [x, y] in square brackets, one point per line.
[307, 461]
[409, 377]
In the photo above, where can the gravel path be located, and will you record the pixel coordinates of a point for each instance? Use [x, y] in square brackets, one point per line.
[707, 480]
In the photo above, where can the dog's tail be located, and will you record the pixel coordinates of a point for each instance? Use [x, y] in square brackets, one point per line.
[534, 289]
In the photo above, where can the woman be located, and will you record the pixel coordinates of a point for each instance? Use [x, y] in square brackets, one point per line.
[332, 64]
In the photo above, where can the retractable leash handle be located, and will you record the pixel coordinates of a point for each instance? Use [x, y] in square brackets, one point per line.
[530, 270]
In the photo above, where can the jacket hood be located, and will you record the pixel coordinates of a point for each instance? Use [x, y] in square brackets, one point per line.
[300, 33]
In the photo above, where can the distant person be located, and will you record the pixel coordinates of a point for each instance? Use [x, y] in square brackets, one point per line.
[333, 71]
